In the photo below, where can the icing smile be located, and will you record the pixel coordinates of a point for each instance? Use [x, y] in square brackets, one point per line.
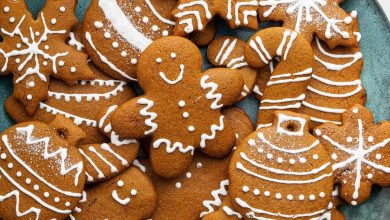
[178, 79]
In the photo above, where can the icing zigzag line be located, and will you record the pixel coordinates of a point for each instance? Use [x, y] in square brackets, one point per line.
[62, 152]
[217, 201]
[16, 193]
[214, 128]
[152, 115]
[212, 93]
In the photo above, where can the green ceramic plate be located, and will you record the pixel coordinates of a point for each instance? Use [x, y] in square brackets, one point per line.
[375, 29]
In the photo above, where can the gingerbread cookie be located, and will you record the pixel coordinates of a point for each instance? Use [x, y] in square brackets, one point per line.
[335, 84]
[205, 37]
[281, 172]
[169, 71]
[229, 52]
[359, 150]
[34, 50]
[117, 31]
[287, 85]
[42, 173]
[130, 195]
[193, 15]
[325, 19]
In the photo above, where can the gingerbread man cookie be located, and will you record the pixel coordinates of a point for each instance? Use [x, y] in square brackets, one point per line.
[130, 195]
[359, 150]
[281, 172]
[323, 18]
[288, 82]
[117, 31]
[42, 173]
[193, 15]
[34, 50]
[180, 109]
[229, 52]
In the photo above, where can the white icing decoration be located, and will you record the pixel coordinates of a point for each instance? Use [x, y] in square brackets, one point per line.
[139, 165]
[212, 93]
[146, 113]
[246, 13]
[223, 54]
[112, 167]
[189, 21]
[157, 15]
[18, 213]
[214, 128]
[283, 118]
[322, 109]
[178, 79]
[217, 201]
[237, 63]
[74, 42]
[230, 212]
[176, 145]
[119, 200]
[100, 173]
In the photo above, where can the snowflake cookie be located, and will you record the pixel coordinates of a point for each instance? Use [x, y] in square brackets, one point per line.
[34, 50]
[323, 18]
[42, 173]
[181, 106]
[360, 152]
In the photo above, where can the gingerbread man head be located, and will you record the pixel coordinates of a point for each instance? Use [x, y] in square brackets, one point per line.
[181, 106]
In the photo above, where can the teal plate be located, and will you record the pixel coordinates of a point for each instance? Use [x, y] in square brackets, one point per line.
[375, 29]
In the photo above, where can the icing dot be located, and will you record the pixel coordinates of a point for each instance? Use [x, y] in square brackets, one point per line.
[37, 33]
[120, 183]
[173, 55]
[6, 9]
[302, 160]
[252, 142]
[334, 156]
[330, 206]
[123, 53]
[267, 193]
[10, 165]
[353, 203]
[159, 60]
[29, 97]
[28, 180]
[188, 175]
[115, 44]
[290, 197]
[280, 160]
[315, 156]
[137, 9]
[354, 13]
[62, 9]
[3, 156]
[44, 63]
[260, 150]
[155, 28]
[370, 139]
[73, 69]
[12, 19]
[46, 194]
[178, 185]
[355, 110]
[98, 24]
[18, 45]
[292, 161]
[369, 176]
[186, 114]
[199, 165]
[134, 61]
[182, 103]
[256, 192]
[245, 189]
[67, 204]
[349, 139]
[278, 196]
[107, 35]
[53, 21]
[322, 194]
[17, 60]
[270, 156]
[378, 156]
[191, 128]
[46, 47]
[133, 192]
[36, 187]
[18, 174]
[165, 33]
[318, 132]
[312, 197]
[61, 63]
[145, 20]
[56, 199]
[348, 20]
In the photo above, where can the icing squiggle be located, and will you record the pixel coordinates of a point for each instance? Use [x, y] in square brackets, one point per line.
[212, 93]
[115, 196]
[217, 201]
[189, 28]
[214, 128]
[16, 193]
[152, 115]
[176, 145]
[178, 79]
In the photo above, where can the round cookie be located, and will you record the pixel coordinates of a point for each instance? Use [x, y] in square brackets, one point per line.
[42, 173]
[130, 195]
[359, 150]
[281, 172]
[33, 50]
[115, 32]
[229, 52]
[324, 19]
[176, 90]
[287, 85]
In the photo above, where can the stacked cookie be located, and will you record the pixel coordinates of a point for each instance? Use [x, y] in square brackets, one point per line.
[88, 146]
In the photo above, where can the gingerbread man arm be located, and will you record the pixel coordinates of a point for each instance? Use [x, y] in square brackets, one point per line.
[135, 118]
[222, 86]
